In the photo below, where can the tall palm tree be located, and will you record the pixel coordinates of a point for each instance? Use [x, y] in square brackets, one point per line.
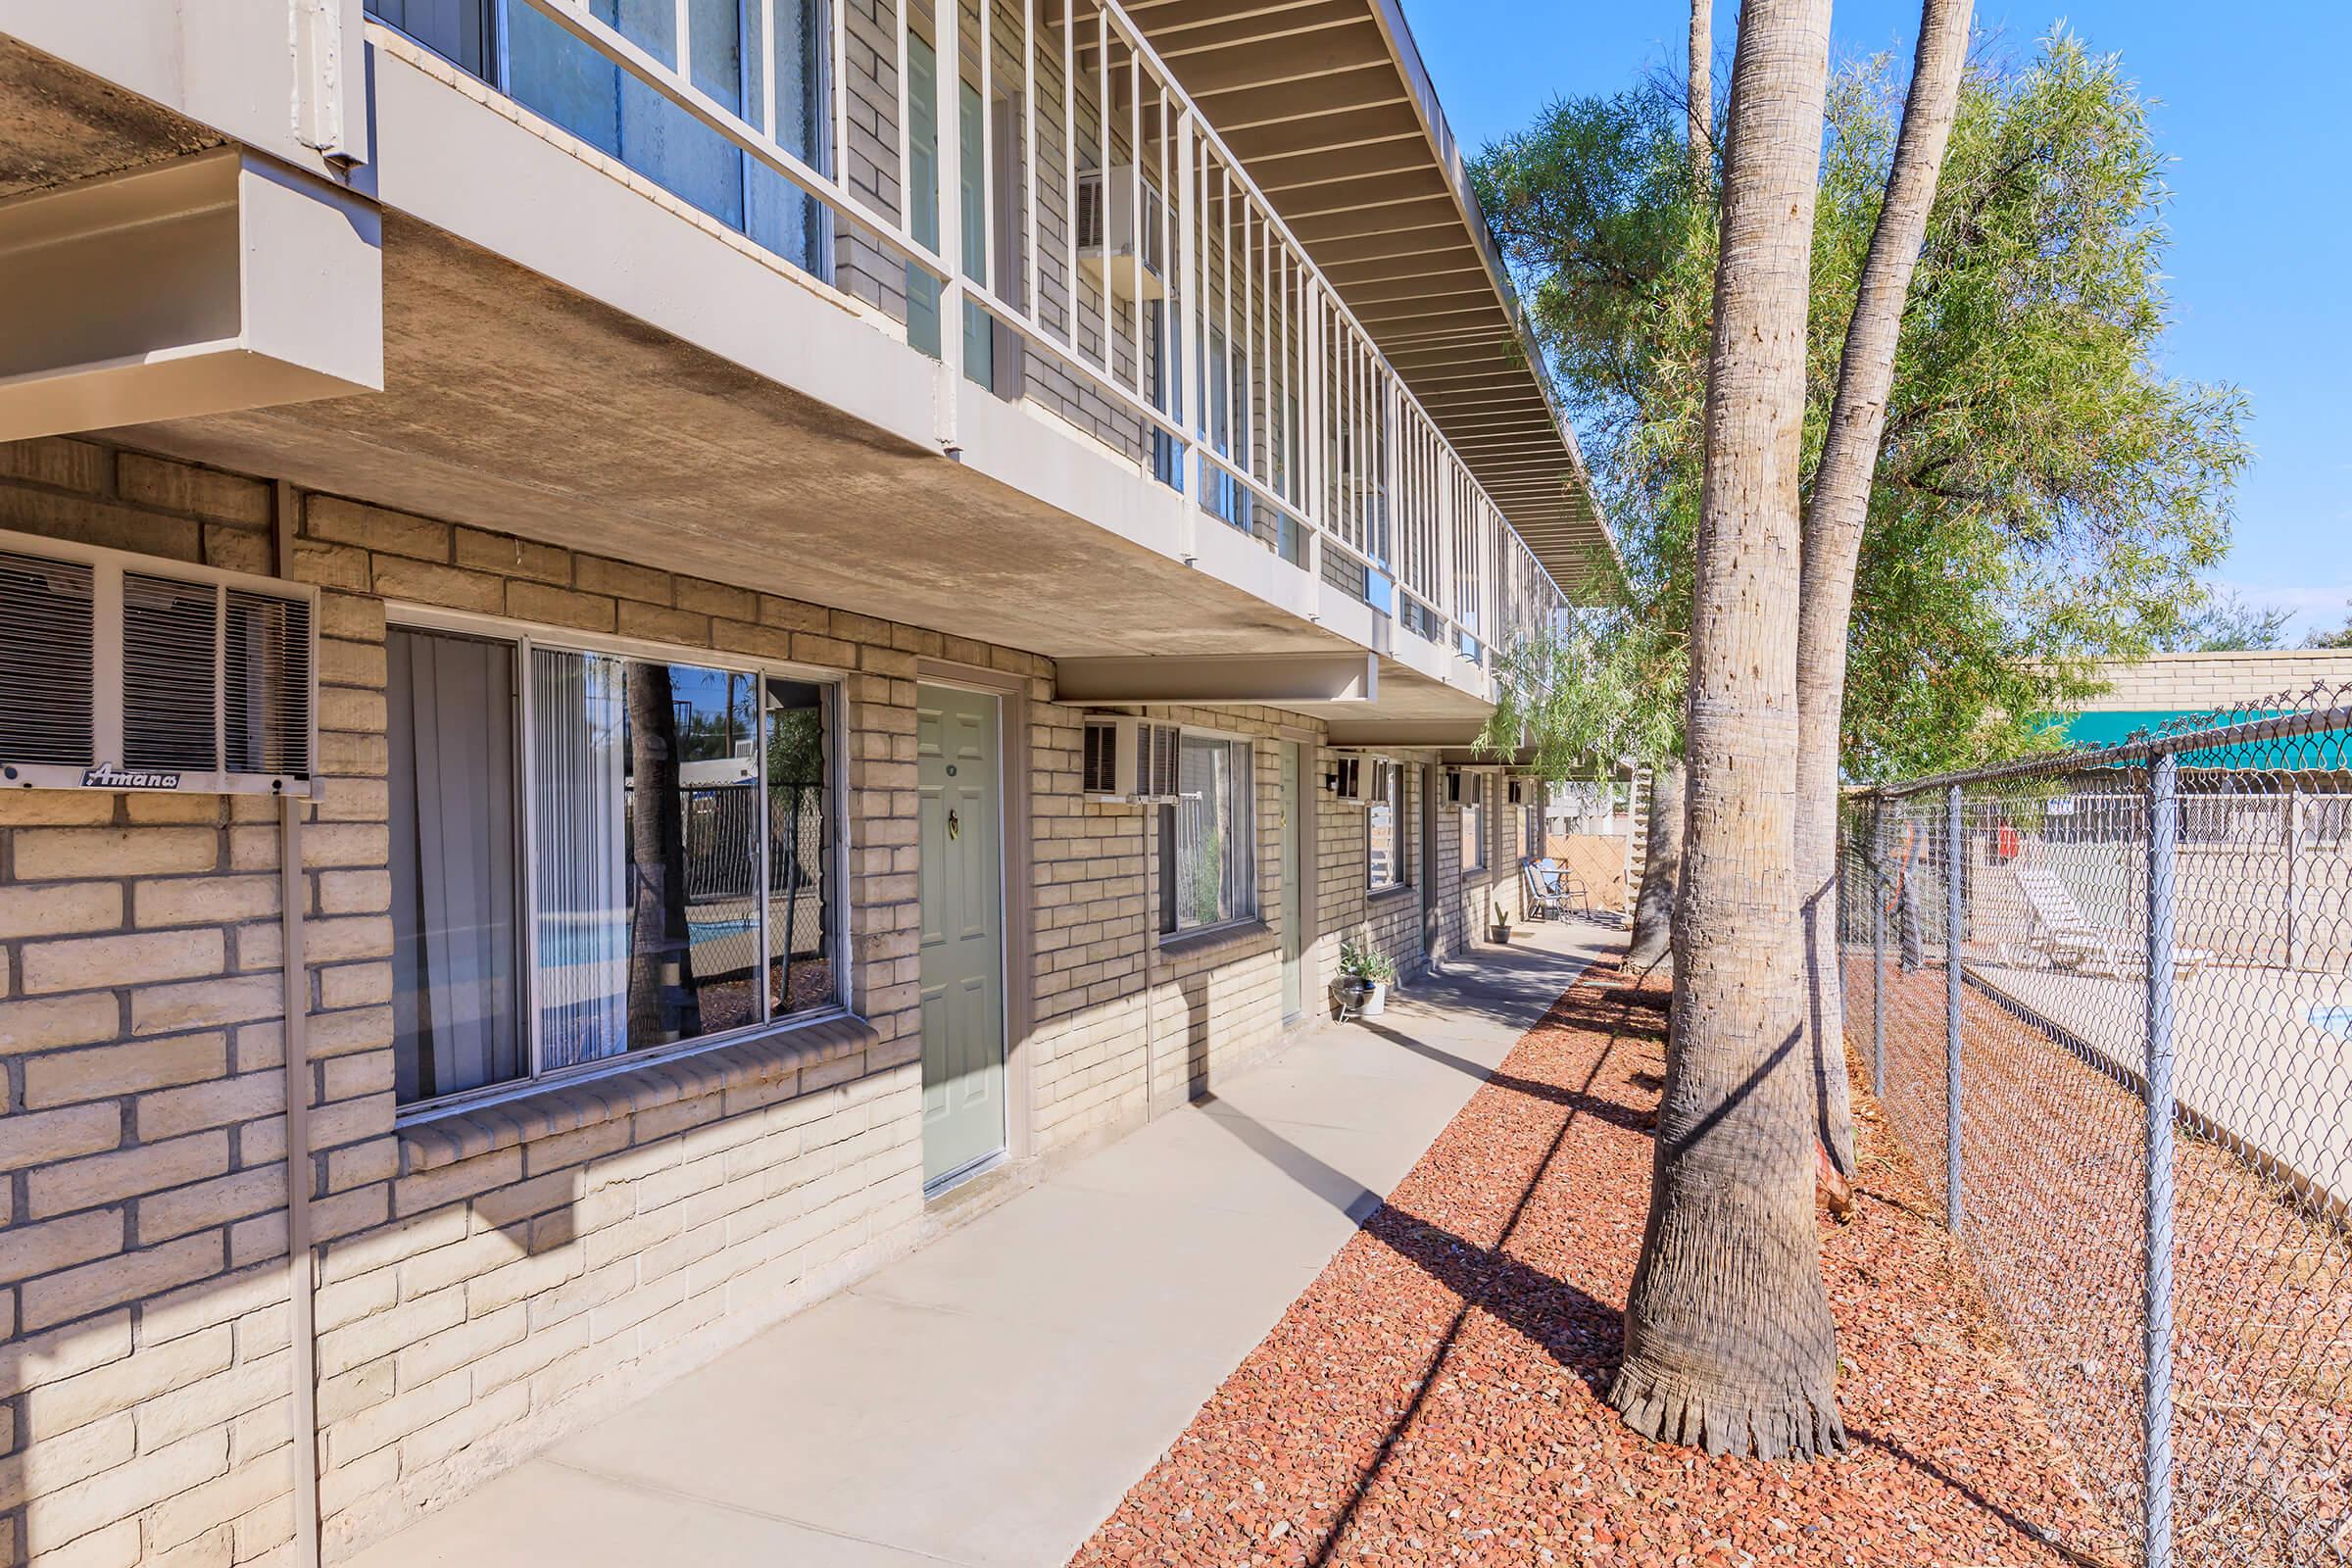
[1699, 94]
[1832, 537]
[1728, 1339]
[1653, 933]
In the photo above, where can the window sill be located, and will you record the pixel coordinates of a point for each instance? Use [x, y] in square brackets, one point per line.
[1192, 945]
[435, 1137]
[1384, 895]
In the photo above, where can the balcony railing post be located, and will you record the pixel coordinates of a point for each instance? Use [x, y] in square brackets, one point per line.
[1956, 871]
[946, 54]
[2294, 880]
[2157, 1397]
[1877, 948]
[1185, 305]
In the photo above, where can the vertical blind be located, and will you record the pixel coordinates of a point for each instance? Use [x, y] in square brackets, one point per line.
[579, 862]
[450, 755]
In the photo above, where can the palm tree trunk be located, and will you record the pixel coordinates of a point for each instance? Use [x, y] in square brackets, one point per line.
[1699, 98]
[1661, 868]
[1833, 525]
[664, 1004]
[1729, 1341]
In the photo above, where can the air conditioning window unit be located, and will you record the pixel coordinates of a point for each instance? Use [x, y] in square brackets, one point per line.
[1361, 780]
[1130, 761]
[1123, 256]
[119, 672]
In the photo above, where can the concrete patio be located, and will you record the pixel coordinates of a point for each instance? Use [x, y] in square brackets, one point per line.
[989, 1400]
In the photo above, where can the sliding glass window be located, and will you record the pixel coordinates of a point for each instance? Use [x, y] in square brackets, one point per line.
[594, 854]
[1383, 827]
[515, 47]
[1209, 838]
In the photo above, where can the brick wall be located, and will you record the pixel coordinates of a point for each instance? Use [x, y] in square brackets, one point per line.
[2195, 682]
[1211, 1004]
[1390, 921]
[489, 1282]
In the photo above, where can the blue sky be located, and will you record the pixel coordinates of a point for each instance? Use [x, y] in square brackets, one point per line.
[2252, 107]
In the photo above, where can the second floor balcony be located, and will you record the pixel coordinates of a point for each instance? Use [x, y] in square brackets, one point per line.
[1047, 264]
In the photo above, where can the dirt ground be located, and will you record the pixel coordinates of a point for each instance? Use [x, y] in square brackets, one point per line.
[1437, 1395]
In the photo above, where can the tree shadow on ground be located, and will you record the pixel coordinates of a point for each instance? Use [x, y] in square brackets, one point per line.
[1612, 1111]
[1582, 1333]
[1483, 1277]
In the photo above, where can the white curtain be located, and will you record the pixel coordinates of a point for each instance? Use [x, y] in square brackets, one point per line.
[1214, 858]
[580, 860]
[451, 764]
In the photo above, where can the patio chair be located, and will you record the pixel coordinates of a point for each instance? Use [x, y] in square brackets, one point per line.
[1550, 887]
[2059, 931]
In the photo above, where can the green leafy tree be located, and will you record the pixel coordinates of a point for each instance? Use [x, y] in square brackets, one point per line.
[2044, 495]
[2341, 637]
[2227, 624]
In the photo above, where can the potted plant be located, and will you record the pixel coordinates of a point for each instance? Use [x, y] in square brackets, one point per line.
[1365, 975]
[1498, 926]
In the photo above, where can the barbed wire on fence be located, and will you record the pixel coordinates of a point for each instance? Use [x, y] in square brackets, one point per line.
[2105, 997]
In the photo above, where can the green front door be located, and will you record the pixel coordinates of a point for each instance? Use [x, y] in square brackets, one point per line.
[963, 932]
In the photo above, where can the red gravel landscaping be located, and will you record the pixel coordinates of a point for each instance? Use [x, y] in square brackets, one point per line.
[1436, 1396]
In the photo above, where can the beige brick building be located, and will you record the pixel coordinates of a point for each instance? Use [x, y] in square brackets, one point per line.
[2149, 692]
[551, 720]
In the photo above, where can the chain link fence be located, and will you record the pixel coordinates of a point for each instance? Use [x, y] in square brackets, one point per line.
[2105, 998]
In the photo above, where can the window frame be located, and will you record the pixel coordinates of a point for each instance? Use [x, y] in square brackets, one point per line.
[1399, 861]
[1475, 823]
[496, 72]
[524, 638]
[1165, 838]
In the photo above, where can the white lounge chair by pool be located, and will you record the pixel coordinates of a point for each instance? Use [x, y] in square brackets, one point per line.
[2059, 931]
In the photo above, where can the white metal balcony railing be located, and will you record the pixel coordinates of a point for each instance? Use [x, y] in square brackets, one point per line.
[1291, 426]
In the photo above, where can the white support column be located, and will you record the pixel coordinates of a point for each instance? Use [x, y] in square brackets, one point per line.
[1110, 354]
[947, 51]
[1029, 300]
[1135, 170]
[990, 277]
[834, 157]
[906, 117]
[1184, 302]
[1069, 167]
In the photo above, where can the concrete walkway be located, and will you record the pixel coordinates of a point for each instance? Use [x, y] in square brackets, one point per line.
[989, 1400]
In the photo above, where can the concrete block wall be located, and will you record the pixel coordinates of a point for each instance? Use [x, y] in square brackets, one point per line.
[485, 1283]
[1110, 996]
[2196, 682]
[144, 1380]
[1344, 908]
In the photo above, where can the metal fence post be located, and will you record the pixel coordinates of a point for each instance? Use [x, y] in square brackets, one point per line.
[1955, 863]
[1877, 948]
[2294, 879]
[2157, 1400]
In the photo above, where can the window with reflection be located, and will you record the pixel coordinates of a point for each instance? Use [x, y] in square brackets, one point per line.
[516, 48]
[1209, 838]
[594, 854]
[1383, 827]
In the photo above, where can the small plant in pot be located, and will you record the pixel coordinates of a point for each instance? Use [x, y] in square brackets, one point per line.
[1365, 975]
[1499, 925]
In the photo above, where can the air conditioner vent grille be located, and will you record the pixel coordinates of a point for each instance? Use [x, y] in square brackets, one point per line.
[267, 696]
[1100, 767]
[46, 613]
[121, 672]
[171, 652]
[1162, 774]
